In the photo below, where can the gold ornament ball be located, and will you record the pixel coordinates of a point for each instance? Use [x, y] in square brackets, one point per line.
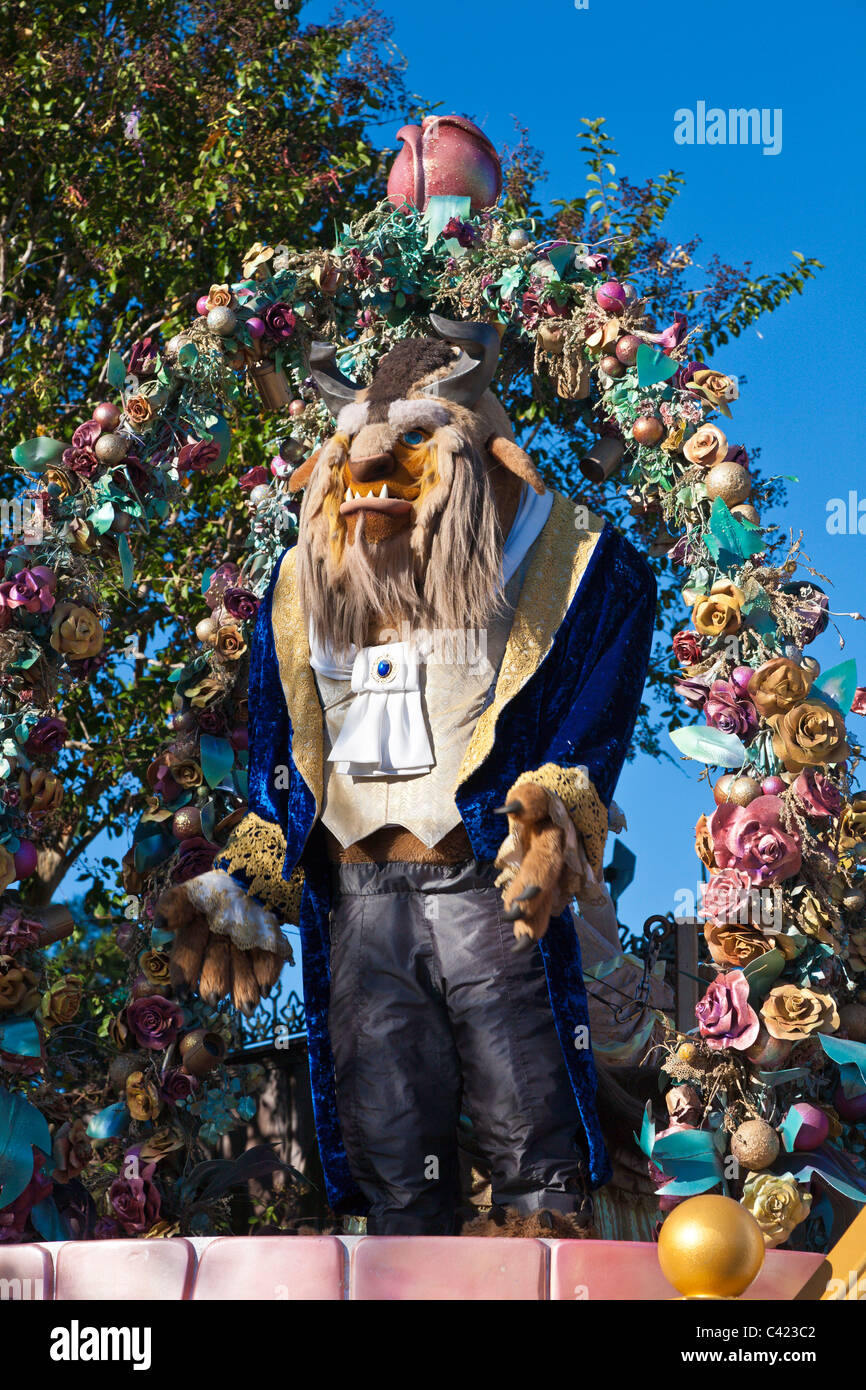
[206, 631]
[747, 512]
[186, 823]
[647, 430]
[710, 1247]
[111, 448]
[742, 790]
[730, 481]
[755, 1145]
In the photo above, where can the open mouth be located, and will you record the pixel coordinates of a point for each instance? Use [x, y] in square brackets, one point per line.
[374, 500]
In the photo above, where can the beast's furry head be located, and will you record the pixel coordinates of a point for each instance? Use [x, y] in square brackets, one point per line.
[401, 517]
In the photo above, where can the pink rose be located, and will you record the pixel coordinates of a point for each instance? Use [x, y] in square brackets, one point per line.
[729, 709]
[726, 898]
[820, 799]
[135, 1202]
[725, 1016]
[751, 838]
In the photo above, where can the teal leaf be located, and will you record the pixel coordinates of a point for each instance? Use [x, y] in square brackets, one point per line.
[108, 1123]
[707, 745]
[762, 973]
[20, 1037]
[217, 757]
[37, 454]
[102, 518]
[126, 565]
[188, 355]
[115, 371]
[729, 540]
[839, 684]
[653, 365]
[22, 1129]
[48, 1222]
[561, 258]
[850, 1058]
[206, 579]
[439, 211]
[834, 1165]
[151, 851]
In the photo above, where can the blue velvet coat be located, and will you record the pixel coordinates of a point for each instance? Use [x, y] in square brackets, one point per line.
[568, 693]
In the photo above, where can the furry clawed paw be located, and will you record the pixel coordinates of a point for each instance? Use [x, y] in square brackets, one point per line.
[510, 1223]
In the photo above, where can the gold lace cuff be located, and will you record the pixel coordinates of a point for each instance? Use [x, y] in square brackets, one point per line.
[585, 807]
[256, 849]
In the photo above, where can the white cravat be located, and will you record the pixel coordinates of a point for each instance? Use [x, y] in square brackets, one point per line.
[384, 733]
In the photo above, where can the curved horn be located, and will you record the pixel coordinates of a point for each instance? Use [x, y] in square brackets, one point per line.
[335, 389]
[472, 375]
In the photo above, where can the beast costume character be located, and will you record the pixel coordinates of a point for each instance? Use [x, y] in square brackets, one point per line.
[448, 643]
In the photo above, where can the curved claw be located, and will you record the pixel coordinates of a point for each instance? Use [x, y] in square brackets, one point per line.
[531, 892]
[511, 808]
[521, 944]
[512, 913]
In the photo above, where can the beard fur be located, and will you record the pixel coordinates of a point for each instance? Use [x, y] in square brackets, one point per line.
[444, 573]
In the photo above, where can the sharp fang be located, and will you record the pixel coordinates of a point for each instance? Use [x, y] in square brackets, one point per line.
[384, 492]
[350, 496]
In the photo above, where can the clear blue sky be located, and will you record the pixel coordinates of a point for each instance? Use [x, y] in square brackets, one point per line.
[547, 64]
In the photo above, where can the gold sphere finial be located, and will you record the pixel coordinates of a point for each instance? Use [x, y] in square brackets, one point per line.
[710, 1247]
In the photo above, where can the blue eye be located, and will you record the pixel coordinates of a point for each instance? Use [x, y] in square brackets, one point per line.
[413, 438]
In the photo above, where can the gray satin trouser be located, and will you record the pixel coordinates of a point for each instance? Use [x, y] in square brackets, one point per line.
[432, 1013]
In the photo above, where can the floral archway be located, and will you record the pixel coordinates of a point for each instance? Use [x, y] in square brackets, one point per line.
[768, 1091]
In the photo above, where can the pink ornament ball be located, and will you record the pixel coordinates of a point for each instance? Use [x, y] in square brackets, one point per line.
[239, 740]
[256, 326]
[25, 859]
[773, 786]
[106, 415]
[626, 349]
[611, 296]
[851, 1109]
[201, 306]
[814, 1128]
[741, 676]
[280, 468]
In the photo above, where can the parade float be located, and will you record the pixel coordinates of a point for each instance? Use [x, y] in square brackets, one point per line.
[761, 1102]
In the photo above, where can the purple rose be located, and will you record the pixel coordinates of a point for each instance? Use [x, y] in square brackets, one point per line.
[687, 648]
[812, 608]
[693, 690]
[17, 933]
[820, 799]
[240, 603]
[211, 721]
[31, 589]
[178, 1085]
[461, 232]
[737, 454]
[725, 1016]
[86, 435]
[196, 857]
[154, 1020]
[253, 477]
[81, 461]
[728, 708]
[279, 322]
[135, 1202]
[197, 456]
[48, 735]
[751, 838]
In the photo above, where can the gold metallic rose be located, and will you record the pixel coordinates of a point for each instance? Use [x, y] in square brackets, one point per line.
[62, 1002]
[706, 446]
[18, 992]
[853, 824]
[185, 772]
[139, 410]
[718, 613]
[154, 965]
[142, 1097]
[76, 632]
[735, 947]
[220, 297]
[777, 1204]
[230, 645]
[715, 387]
[808, 735]
[39, 792]
[792, 1013]
[778, 685]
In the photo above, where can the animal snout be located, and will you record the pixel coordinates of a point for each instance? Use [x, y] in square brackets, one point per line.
[372, 467]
